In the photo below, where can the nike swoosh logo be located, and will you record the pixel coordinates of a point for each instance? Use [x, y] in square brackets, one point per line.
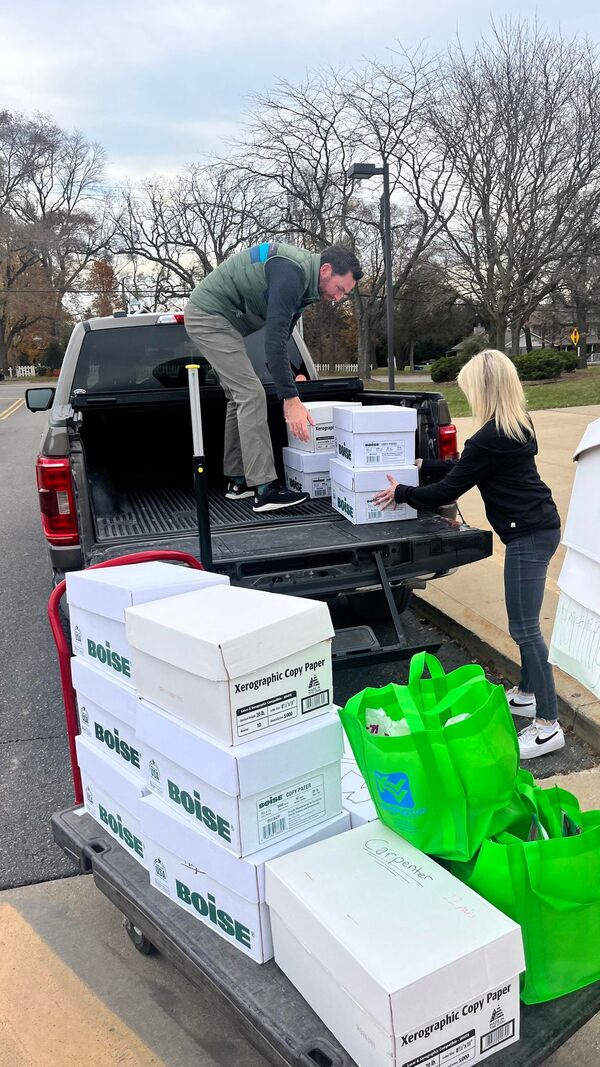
[543, 740]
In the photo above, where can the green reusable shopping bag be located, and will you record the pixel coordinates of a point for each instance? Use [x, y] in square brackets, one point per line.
[550, 887]
[444, 788]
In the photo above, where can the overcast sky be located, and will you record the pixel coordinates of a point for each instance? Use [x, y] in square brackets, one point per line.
[159, 84]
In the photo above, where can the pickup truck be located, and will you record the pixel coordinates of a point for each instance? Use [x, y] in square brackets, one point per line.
[114, 472]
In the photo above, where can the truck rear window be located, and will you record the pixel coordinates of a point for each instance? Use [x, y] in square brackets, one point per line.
[154, 357]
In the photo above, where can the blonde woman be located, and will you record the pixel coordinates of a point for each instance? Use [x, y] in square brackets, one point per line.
[500, 460]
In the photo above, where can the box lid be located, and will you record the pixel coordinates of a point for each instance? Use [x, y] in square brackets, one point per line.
[590, 439]
[399, 928]
[378, 418]
[308, 462]
[367, 480]
[244, 875]
[250, 768]
[227, 631]
[108, 591]
[322, 410]
[105, 690]
[115, 780]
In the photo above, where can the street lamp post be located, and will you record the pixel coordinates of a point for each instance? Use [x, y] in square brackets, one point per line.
[358, 172]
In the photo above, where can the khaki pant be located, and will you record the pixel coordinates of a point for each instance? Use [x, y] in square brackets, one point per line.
[248, 450]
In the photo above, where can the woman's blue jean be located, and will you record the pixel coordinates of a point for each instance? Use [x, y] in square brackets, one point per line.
[525, 568]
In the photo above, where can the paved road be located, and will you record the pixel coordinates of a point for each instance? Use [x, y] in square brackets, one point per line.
[66, 930]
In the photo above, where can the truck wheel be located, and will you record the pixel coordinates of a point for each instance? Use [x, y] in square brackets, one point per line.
[139, 939]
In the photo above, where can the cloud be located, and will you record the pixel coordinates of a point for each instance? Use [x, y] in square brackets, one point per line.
[159, 84]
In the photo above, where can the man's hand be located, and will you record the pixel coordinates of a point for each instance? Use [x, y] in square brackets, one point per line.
[297, 417]
[386, 496]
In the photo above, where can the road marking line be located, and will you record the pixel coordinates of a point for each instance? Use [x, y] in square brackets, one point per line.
[16, 404]
[48, 1016]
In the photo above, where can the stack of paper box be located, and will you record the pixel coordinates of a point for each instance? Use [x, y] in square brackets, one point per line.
[103, 678]
[575, 644]
[306, 463]
[370, 443]
[240, 747]
[403, 963]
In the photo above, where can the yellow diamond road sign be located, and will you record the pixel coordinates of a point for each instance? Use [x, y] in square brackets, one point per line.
[575, 336]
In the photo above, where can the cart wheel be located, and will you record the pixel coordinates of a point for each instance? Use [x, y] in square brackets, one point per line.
[139, 939]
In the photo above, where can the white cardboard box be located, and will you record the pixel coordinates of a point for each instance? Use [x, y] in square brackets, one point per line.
[381, 436]
[321, 435]
[107, 714]
[98, 598]
[111, 795]
[402, 962]
[353, 492]
[356, 799]
[246, 797]
[234, 662]
[226, 893]
[583, 519]
[307, 472]
[575, 642]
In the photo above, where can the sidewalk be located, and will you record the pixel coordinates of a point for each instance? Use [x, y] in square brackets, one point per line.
[473, 597]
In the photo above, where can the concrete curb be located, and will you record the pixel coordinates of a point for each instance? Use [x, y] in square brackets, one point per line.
[585, 724]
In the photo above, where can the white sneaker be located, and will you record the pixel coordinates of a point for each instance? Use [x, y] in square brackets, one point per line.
[540, 738]
[521, 703]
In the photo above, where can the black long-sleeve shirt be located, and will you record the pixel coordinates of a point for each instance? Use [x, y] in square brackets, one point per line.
[517, 501]
[285, 289]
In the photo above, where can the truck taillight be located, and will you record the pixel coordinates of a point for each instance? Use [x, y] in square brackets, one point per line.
[447, 445]
[175, 316]
[57, 502]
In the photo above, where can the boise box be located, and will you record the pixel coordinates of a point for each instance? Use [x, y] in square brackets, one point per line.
[226, 893]
[401, 963]
[353, 492]
[380, 436]
[243, 798]
[356, 799]
[307, 472]
[98, 598]
[111, 795]
[233, 662]
[321, 435]
[107, 714]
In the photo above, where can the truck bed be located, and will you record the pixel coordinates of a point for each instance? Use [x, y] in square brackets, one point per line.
[311, 550]
[165, 511]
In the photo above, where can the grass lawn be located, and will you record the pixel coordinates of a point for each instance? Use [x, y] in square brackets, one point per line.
[572, 390]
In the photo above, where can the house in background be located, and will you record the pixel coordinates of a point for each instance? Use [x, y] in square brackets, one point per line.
[536, 342]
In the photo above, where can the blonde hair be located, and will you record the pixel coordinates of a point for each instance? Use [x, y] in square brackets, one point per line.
[491, 385]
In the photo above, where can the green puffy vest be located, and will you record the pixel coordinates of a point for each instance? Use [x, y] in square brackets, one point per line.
[237, 289]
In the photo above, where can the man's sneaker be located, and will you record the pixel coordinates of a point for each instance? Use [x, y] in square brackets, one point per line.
[276, 496]
[521, 703]
[237, 491]
[540, 738]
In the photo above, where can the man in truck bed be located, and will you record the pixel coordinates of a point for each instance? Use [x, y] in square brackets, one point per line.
[267, 284]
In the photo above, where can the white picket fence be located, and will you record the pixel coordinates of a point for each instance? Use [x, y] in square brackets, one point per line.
[21, 372]
[350, 368]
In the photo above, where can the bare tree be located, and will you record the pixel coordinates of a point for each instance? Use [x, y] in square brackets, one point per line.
[518, 122]
[182, 228]
[299, 143]
[62, 208]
